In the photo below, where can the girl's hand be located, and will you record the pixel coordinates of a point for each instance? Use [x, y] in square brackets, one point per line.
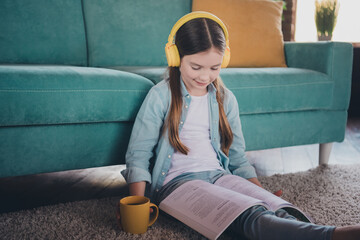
[118, 221]
[118, 216]
[278, 193]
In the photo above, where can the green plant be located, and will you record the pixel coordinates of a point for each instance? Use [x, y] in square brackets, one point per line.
[284, 7]
[326, 12]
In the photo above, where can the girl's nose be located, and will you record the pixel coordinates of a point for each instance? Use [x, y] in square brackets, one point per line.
[204, 77]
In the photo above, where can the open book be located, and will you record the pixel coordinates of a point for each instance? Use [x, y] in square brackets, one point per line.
[211, 208]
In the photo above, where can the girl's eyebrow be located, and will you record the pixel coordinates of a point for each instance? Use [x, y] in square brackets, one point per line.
[198, 65]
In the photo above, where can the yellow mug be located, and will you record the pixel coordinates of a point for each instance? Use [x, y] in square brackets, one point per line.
[135, 214]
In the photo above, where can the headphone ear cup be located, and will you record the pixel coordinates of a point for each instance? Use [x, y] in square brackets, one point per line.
[226, 58]
[172, 55]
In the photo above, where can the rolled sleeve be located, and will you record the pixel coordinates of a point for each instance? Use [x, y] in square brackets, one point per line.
[135, 174]
[245, 171]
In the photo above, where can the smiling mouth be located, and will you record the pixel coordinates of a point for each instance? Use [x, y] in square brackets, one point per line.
[201, 83]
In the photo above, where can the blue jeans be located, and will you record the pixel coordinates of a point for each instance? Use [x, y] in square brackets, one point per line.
[256, 222]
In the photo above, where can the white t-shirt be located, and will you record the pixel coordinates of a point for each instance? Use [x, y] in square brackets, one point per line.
[195, 135]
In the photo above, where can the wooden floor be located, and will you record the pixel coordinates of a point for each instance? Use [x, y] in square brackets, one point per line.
[26, 192]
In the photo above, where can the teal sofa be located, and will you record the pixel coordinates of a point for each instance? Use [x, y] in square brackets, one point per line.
[73, 74]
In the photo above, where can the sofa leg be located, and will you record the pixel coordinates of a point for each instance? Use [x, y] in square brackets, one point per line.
[324, 153]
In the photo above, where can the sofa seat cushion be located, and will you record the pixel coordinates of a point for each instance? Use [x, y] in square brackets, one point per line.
[40, 95]
[155, 74]
[268, 90]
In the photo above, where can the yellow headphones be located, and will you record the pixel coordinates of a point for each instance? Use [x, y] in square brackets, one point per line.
[172, 52]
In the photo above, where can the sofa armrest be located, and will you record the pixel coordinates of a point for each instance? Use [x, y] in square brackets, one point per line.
[332, 58]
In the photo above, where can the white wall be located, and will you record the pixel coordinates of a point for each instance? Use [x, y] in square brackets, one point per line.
[347, 28]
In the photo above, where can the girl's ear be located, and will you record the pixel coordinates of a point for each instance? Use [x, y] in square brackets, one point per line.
[226, 58]
[180, 68]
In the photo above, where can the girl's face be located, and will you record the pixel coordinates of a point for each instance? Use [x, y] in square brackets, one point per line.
[200, 69]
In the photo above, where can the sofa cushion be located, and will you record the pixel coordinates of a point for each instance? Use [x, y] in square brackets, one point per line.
[268, 90]
[42, 31]
[155, 74]
[256, 39]
[131, 33]
[38, 95]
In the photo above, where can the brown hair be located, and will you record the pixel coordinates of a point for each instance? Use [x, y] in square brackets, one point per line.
[197, 35]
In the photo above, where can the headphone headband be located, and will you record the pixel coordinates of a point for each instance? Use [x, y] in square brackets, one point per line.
[172, 53]
[193, 15]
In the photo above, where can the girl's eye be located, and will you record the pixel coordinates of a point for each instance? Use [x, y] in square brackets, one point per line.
[214, 69]
[195, 68]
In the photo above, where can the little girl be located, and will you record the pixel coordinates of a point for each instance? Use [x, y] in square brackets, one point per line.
[188, 127]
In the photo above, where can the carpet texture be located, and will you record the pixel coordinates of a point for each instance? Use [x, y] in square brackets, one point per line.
[329, 194]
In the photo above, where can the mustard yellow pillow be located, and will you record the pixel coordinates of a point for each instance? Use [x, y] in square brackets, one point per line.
[256, 39]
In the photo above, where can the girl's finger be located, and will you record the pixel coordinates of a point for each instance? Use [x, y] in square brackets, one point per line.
[118, 215]
[278, 193]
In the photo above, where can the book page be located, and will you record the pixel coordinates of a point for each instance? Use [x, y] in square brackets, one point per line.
[207, 208]
[241, 185]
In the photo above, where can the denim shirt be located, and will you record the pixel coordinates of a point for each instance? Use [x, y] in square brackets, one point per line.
[149, 147]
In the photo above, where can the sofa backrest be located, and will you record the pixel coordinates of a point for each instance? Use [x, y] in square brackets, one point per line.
[42, 32]
[130, 32]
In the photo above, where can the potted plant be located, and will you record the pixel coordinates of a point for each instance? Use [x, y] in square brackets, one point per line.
[326, 12]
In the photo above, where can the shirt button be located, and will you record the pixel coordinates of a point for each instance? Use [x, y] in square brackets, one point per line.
[157, 190]
[181, 122]
[186, 106]
[163, 173]
[188, 96]
[169, 156]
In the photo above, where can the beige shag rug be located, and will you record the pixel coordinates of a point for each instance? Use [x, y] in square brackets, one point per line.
[329, 194]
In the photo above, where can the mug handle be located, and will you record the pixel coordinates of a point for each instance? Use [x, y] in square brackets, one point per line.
[154, 214]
